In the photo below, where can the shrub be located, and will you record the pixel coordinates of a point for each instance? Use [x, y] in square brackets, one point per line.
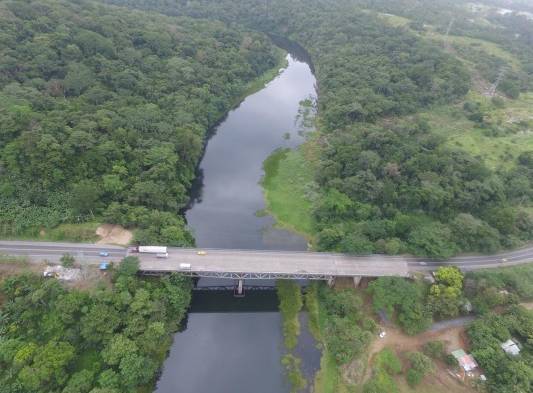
[420, 366]
[129, 266]
[388, 360]
[67, 260]
[290, 304]
[434, 349]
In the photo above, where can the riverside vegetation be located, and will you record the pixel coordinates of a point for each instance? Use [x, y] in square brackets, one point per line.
[388, 185]
[105, 112]
[110, 340]
[402, 108]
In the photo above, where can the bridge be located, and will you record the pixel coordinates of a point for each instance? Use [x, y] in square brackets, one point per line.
[254, 264]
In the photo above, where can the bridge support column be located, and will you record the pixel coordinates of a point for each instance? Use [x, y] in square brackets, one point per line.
[331, 282]
[356, 281]
[239, 289]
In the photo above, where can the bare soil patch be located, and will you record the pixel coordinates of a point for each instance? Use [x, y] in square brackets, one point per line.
[113, 234]
[439, 381]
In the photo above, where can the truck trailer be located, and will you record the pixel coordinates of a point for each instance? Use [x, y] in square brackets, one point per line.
[152, 249]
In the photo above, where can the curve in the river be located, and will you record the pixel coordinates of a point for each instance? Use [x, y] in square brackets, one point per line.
[228, 352]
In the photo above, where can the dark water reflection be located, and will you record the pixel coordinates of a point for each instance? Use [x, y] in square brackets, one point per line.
[224, 212]
[221, 350]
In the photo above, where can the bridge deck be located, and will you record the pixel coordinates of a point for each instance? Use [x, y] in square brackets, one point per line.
[273, 264]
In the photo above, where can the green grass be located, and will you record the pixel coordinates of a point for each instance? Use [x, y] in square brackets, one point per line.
[13, 260]
[394, 20]
[496, 151]
[328, 378]
[488, 47]
[517, 279]
[290, 305]
[287, 182]
[85, 232]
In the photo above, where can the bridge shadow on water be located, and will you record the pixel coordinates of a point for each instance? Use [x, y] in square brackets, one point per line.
[218, 295]
[223, 300]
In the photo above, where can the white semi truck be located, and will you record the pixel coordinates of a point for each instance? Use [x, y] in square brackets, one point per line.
[159, 251]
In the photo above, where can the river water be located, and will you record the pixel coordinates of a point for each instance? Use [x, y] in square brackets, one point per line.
[235, 345]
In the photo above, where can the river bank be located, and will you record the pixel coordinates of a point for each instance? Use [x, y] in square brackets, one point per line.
[239, 349]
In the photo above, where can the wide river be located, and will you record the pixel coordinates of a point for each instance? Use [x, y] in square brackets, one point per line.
[229, 347]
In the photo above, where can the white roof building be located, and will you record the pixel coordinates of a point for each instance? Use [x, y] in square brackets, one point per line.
[510, 347]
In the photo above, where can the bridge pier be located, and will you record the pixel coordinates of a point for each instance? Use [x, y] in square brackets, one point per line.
[356, 281]
[331, 282]
[239, 289]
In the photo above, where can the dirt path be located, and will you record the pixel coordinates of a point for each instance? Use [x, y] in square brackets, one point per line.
[450, 323]
[528, 305]
[113, 234]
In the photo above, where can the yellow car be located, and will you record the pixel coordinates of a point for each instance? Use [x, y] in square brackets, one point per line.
[201, 253]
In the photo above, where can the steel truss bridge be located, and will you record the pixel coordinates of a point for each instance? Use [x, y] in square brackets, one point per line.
[243, 275]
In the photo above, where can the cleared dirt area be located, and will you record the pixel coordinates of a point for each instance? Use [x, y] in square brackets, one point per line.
[113, 234]
[441, 380]
[453, 337]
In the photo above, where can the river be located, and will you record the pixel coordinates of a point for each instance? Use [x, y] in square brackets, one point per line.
[235, 345]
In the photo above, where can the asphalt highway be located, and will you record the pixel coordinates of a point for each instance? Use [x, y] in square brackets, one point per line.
[282, 262]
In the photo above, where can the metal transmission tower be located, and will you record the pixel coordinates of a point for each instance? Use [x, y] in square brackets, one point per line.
[492, 89]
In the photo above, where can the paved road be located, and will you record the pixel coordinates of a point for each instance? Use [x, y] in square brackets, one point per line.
[264, 264]
[473, 262]
[449, 323]
[274, 264]
[39, 251]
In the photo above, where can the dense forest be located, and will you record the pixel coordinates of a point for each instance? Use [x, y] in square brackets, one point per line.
[105, 111]
[111, 340]
[125, 112]
[104, 115]
[390, 186]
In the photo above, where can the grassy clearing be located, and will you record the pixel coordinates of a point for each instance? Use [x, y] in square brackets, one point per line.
[488, 47]
[517, 279]
[288, 187]
[394, 20]
[515, 120]
[13, 260]
[85, 232]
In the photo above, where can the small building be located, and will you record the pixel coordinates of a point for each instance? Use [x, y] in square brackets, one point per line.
[467, 362]
[510, 348]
